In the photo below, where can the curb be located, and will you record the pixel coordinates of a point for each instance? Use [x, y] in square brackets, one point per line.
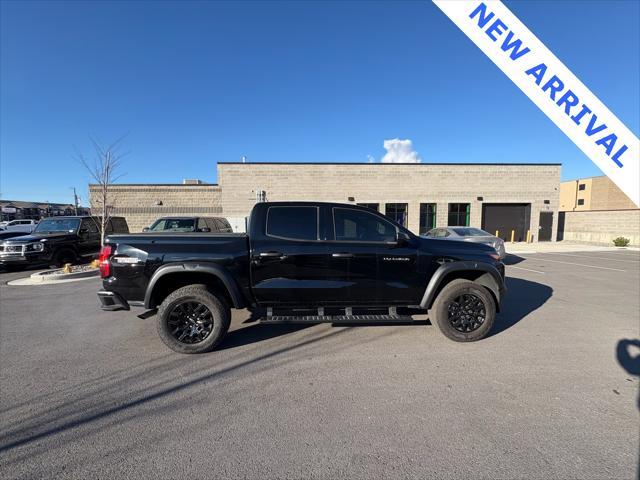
[49, 276]
[40, 278]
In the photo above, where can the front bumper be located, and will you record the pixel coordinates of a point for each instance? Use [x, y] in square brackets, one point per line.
[111, 301]
[26, 258]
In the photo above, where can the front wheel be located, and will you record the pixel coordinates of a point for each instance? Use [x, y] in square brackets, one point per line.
[192, 320]
[464, 311]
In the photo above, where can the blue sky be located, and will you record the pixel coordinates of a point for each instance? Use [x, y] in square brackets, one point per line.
[193, 83]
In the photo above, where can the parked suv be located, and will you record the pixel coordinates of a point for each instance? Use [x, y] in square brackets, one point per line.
[302, 262]
[25, 226]
[190, 224]
[58, 240]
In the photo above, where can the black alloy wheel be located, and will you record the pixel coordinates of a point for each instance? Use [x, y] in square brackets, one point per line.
[190, 322]
[466, 313]
[464, 310]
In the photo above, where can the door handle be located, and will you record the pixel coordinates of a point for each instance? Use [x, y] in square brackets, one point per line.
[342, 255]
[270, 254]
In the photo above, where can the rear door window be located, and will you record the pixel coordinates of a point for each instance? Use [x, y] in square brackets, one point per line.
[295, 223]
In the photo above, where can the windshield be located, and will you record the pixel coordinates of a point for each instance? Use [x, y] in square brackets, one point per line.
[173, 225]
[51, 225]
[471, 232]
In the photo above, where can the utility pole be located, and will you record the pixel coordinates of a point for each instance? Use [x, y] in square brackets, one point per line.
[75, 200]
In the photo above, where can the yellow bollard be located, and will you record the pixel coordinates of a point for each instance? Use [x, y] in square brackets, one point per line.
[513, 234]
[497, 233]
[528, 235]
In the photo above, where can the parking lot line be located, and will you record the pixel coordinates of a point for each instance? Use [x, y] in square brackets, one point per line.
[579, 264]
[527, 269]
[589, 256]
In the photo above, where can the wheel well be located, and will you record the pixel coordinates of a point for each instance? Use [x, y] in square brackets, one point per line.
[63, 248]
[172, 281]
[477, 276]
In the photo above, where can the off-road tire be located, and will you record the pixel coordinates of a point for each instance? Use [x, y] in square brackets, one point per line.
[197, 293]
[64, 256]
[453, 290]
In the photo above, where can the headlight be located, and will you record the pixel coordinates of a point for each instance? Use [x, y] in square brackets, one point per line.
[35, 247]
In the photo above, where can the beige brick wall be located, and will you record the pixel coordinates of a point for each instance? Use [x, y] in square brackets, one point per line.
[605, 195]
[568, 192]
[138, 203]
[599, 193]
[601, 227]
[394, 183]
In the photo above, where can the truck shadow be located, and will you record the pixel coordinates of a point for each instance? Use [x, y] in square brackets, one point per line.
[257, 332]
[512, 259]
[523, 297]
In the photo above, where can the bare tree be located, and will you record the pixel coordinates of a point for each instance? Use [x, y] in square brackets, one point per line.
[104, 170]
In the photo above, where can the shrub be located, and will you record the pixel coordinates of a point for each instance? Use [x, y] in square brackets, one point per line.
[621, 242]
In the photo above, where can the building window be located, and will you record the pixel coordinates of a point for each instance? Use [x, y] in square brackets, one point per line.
[372, 206]
[581, 201]
[427, 217]
[582, 186]
[397, 212]
[459, 214]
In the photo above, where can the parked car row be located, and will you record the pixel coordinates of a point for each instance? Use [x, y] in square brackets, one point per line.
[68, 239]
[57, 241]
[25, 226]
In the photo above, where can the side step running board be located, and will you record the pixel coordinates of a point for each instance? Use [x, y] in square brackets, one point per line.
[336, 319]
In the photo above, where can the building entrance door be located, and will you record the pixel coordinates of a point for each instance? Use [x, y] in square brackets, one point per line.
[545, 226]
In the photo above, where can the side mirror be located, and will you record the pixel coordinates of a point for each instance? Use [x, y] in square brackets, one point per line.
[402, 238]
[145, 229]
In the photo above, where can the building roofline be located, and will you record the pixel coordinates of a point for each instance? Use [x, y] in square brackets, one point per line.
[158, 184]
[582, 178]
[417, 164]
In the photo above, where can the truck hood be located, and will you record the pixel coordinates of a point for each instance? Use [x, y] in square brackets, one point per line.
[36, 237]
[461, 249]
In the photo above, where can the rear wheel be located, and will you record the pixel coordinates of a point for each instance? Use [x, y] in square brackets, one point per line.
[192, 320]
[464, 311]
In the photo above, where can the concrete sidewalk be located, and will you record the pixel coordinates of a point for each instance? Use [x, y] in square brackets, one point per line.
[550, 247]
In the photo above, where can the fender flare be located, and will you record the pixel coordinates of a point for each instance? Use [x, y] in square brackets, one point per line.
[192, 267]
[490, 279]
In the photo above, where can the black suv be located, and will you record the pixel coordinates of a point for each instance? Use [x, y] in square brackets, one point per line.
[58, 240]
[190, 224]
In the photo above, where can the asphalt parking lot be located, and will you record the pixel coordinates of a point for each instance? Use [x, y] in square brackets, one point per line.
[550, 394]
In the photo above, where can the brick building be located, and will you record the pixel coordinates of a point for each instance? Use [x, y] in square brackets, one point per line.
[595, 211]
[501, 197]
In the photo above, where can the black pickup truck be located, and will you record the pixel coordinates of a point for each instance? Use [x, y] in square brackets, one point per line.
[302, 262]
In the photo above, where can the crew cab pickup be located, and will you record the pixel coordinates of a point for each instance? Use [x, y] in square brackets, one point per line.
[301, 262]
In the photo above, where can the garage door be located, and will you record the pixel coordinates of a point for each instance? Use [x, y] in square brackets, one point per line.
[504, 217]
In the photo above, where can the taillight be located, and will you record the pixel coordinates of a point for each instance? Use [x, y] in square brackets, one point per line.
[103, 259]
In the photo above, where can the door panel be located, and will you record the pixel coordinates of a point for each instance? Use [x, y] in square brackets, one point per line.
[352, 272]
[399, 280]
[288, 262]
[287, 272]
[545, 227]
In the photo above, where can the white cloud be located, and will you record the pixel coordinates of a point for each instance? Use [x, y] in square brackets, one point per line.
[400, 151]
[371, 159]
